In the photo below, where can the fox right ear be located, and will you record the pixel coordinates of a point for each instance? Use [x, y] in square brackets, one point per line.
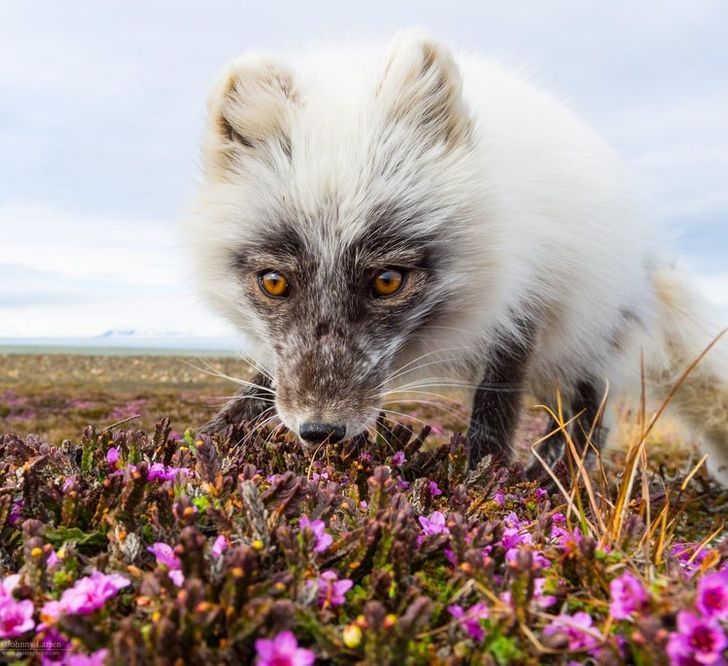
[249, 111]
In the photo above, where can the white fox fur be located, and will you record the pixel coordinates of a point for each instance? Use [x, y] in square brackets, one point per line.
[540, 213]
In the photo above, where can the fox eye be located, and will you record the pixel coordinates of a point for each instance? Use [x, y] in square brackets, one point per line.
[387, 282]
[273, 284]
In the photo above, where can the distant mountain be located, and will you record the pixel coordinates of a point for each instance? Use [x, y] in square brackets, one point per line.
[133, 333]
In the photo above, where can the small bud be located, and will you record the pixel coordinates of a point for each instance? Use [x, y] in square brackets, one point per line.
[257, 544]
[237, 572]
[389, 621]
[36, 552]
[156, 616]
[188, 512]
[352, 635]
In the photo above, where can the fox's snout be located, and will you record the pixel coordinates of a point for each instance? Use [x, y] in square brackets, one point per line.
[327, 388]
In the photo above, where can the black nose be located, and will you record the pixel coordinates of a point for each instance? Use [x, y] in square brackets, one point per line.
[316, 433]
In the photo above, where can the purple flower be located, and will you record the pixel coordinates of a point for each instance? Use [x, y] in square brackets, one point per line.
[15, 512]
[568, 540]
[539, 598]
[165, 555]
[16, 617]
[68, 483]
[56, 646]
[398, 459]
[470, 619]
[577, 628]
[712, 599]
[697, 641]
[94, 659]
[331, 590]
[87, 595]
[684, 552]
[322, 539]
[628, 595]
[499, 497]
[219, 546]
[53, 560]
[166, 558]
[282, 650]
[112, 456]
[160, 472]
[435, 524]
[402, 485]
[434, 489]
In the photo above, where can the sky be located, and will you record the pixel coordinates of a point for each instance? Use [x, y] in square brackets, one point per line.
[102, 109]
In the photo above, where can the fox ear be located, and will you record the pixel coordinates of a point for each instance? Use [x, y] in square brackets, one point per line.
[422, 86]
[249, 111]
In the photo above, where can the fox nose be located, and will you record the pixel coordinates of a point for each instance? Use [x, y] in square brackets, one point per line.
[315, 432]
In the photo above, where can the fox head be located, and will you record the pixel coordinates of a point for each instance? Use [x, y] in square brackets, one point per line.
[334, 225]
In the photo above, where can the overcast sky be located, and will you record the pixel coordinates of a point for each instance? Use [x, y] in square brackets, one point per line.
[101, 109]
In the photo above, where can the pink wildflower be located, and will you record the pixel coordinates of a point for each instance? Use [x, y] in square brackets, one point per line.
[112, 456]
[697, 641]
[331, 590]
[282, 650]
[398, 459]
[220, 545]
[628, 596]
[434, 489]
[160, 472]
[87, 595]
[712, 599]
[568, 540]
[166, 558]
[435, 524]
[685, 552]
[470, 619]
[94, 659]
[322, 539]
[539, 598]
[15, 512]
[16, 617]
[53, 560]
[577, 628]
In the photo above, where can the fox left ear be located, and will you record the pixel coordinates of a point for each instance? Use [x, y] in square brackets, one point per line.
[422, 86]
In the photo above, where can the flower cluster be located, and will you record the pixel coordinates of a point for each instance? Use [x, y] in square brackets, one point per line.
[241, 549]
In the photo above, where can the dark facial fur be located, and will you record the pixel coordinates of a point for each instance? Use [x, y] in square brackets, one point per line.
[335, 343]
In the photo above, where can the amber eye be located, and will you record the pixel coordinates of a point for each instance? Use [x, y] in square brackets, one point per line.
[273, 284]
[387, 282]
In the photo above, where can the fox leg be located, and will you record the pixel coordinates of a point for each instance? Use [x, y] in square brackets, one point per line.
[497, 403]
[248, 404]
[585, 406]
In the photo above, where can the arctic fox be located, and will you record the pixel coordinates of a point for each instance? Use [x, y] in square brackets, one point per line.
[407, 217]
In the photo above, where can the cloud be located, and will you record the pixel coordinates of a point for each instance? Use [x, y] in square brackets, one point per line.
[69, 273]
[103, 105]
